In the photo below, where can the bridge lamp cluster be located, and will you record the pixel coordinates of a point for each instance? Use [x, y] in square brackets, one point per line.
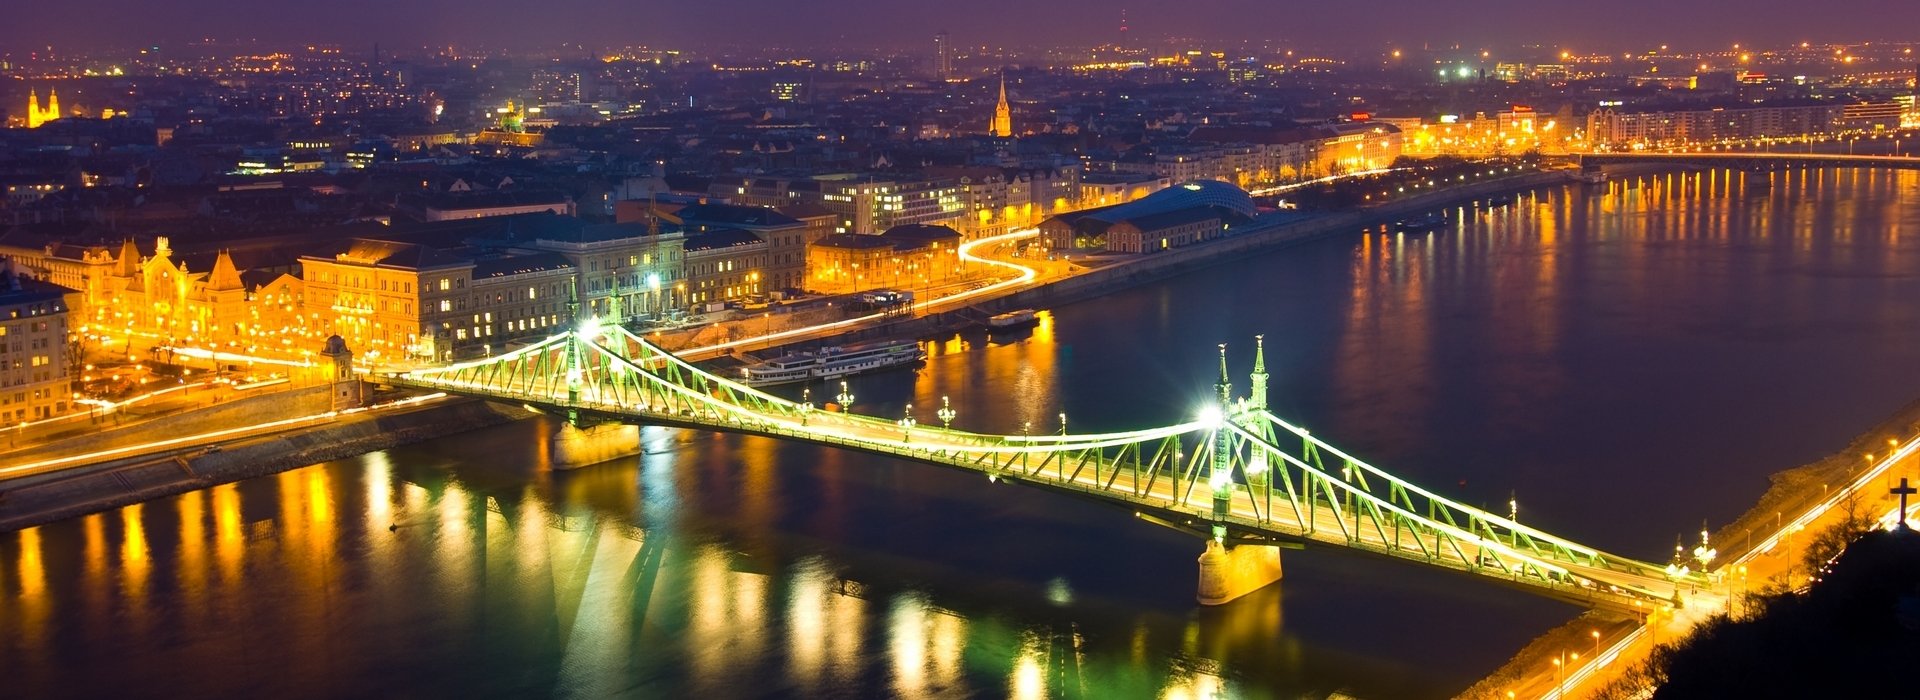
[1220, 480]
[1703, 553]
[1210, 415]
[1257, 465]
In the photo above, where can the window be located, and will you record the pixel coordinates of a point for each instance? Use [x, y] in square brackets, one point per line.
[446, 304]
[445, 284]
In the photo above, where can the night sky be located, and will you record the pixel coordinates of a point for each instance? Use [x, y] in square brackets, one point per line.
[1607, 25]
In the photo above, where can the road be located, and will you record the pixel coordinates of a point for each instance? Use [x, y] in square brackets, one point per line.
[1774, 560]
[201, 440]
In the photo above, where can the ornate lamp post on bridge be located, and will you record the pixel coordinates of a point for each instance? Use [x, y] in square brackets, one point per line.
[806, 404]
[845, 398]
[1704, 553]
[1675, 569]
[906, 425]
[946, 414]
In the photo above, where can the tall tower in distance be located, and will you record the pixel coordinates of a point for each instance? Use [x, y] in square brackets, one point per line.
[942, 57]
[1002, 113]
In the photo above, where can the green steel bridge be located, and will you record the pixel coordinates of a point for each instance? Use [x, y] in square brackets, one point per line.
[1236, 474]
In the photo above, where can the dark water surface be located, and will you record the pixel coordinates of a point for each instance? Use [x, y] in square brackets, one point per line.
[1626, 361]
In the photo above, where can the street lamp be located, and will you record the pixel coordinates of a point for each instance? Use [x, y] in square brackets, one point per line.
[806, 404]
[1675, 569]
[1063, 424]
[906, 425]
[946, 414]
[1703, 553]
[1596, 642]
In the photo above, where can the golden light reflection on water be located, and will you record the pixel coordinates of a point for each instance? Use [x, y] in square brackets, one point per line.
[825, 628]
[192, 556]
[135, 563]
[32, 595]
[97, 568]
[727, 610]
[1028, 681]
[229, 544]
[925, 646]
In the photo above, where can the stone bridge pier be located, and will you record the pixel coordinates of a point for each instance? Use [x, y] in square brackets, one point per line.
[574, 446]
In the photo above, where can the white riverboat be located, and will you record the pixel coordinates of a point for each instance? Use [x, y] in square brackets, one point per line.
[1013, 319]
[832, 362]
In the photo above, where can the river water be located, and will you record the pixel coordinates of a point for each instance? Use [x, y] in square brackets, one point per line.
[1623, 362]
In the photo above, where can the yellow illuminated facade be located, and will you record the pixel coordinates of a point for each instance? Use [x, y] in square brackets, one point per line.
[37, 116]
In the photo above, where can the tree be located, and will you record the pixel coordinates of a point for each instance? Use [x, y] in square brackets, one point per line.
[1829, 543]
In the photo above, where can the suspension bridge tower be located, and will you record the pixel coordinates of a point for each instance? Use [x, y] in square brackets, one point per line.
[1230, 571]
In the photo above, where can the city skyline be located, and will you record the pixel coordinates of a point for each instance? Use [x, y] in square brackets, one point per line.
[865, 24]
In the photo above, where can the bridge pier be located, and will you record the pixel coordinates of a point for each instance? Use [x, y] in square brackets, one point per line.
[573, 447]
[1227, 573]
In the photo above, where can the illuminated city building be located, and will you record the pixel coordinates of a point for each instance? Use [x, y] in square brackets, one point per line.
[37, 116]
[999, 200]
[557, 86]
[862, 202]
[35, 381]
[724, 265]
[942, 57]
[786, 238]
[905, 257]
[447, 206]
[1002, 125]
[625, 270]
[1626, 127]
[1110, 188]
[144, 301]
[410, 301]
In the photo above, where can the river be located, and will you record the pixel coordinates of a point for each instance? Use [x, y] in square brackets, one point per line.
[1622, 362]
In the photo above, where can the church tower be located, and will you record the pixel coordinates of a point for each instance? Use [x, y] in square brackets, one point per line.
[1002, 114]
[37, 116]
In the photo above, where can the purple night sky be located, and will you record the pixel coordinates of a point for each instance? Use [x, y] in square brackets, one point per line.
[814, 23]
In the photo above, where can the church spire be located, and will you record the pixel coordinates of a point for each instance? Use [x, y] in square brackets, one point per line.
[1002, 113]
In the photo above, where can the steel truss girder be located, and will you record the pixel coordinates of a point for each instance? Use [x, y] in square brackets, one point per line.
[1272, 492]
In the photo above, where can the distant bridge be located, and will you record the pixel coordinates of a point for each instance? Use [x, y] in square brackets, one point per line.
[1235, 473]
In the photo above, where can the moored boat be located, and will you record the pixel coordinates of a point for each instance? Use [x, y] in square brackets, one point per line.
[1013, 319]
[832, 362]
